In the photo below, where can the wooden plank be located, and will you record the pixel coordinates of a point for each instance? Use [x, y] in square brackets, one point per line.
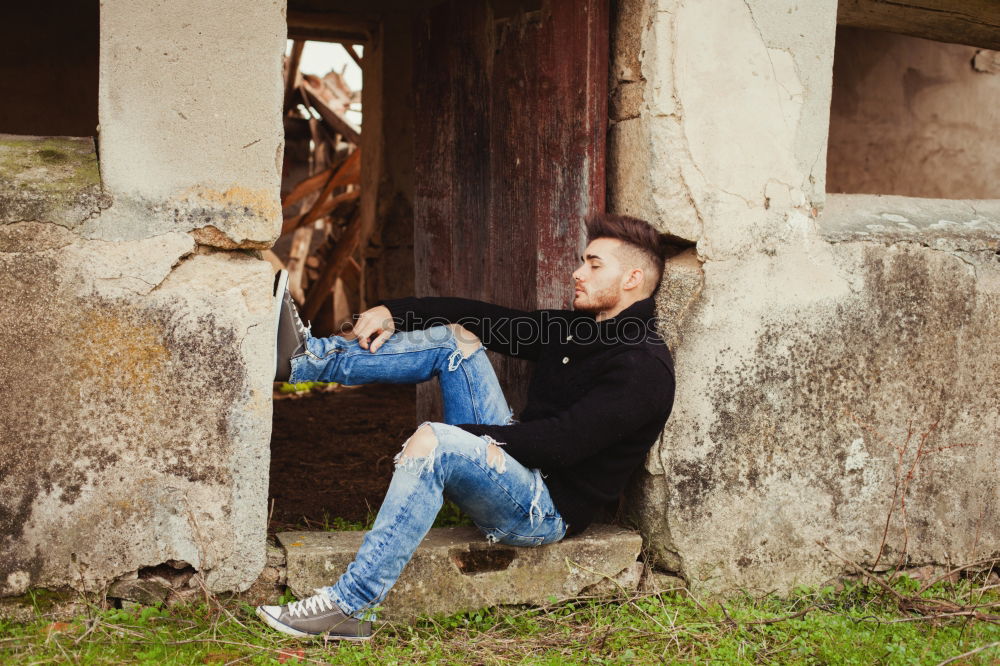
[574, 61]
[328, 90]
[329, 36]
[297, 256]
[307, 187]
[319, 291]
[332, 26]
[972, 22]
[321, 210]
[347, 172]
[292, 75]
[347, 302]
[333, 119]
[351, 52]
[511, 102]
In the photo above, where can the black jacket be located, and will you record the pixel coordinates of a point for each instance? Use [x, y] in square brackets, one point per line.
[598, 399]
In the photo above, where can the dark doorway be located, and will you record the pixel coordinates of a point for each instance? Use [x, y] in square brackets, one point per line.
[483, 151]
[49, 68]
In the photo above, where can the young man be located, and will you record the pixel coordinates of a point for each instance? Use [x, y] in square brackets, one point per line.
[602, 389]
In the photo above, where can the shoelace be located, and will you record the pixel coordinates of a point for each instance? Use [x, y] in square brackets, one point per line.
[317, 603]
[303, 330]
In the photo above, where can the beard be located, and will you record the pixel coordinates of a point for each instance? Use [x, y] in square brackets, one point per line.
[602, 300]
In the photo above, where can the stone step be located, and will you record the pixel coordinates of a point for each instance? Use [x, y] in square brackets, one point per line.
[455, 569]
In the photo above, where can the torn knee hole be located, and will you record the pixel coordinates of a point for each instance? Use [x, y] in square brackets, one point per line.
[466, 340]
[420, 444]
[496, 458]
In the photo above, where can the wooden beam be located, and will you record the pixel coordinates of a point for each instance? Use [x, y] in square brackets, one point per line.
[332, 26]
[351, 52]
[292, 75]
[347, 172]
[319, 211]
[330, 37]
[297, 256]
[333, 119]
[319, 291]
[971, 22]
[350, 276]
[307, 187]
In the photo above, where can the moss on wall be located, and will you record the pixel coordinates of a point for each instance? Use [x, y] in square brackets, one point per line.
[55, 179]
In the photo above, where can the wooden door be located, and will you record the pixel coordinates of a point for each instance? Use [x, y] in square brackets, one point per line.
[511, 117]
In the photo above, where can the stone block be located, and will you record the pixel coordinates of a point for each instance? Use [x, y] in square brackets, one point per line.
[657, 582]
[275, 556]
[815, 385]
[145, 591]
[627, 580]
[680, 288]
[180, 147]
[149, 440]
[627, 100]
[456, 569]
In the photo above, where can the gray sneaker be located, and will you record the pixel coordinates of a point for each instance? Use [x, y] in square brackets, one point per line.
[292, 335]
[315, 616]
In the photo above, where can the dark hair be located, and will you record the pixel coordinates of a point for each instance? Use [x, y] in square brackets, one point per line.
[638, 234]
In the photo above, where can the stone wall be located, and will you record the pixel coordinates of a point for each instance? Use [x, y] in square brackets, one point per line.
[137, 328]
[913, 117]
[811, 333]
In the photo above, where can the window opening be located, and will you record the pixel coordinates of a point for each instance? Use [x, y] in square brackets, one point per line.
[913, 117]
[49, 69]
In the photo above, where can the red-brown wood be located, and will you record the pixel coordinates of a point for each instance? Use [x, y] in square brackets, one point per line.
[511, 116]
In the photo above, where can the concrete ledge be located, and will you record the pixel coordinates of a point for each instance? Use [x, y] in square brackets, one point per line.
[944, 223]
[49, 178]
[455, 569]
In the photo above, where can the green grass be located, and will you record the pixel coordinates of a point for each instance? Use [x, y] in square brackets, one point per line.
[860, 624]
[449, 516]
[304, 387]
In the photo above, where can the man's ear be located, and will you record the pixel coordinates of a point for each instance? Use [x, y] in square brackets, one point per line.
[634, 279]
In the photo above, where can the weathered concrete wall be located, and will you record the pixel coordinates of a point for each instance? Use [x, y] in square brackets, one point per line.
[912, 117]
[191, 134]
[814, 331]
[136, 412]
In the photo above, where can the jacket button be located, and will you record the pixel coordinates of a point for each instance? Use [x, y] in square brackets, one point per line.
[565, 360]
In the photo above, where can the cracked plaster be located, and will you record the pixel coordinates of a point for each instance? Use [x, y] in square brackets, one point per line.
[149, 441]
[811, 314]
[174, 76]
[139, 360]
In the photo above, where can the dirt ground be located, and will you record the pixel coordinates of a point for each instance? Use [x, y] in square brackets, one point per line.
[332, 450]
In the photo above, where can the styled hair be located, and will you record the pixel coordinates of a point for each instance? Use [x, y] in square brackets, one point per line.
[638, 235]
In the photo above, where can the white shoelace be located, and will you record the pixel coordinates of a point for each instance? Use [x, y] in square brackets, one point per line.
[317, 603]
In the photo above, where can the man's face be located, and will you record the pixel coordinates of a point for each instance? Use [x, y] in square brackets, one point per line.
[599, 278]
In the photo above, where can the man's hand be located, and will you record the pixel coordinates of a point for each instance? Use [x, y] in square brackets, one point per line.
[377, 323]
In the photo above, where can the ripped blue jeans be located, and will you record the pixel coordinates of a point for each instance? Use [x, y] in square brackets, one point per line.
[507, 501]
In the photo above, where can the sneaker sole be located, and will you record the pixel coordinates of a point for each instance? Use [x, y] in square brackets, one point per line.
[285, 629]
[279, 294]
[280, 286]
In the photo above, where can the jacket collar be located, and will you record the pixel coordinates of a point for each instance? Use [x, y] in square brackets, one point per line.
[633, 325]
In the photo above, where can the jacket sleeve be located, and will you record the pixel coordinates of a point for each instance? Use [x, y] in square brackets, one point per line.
[632, 391]
[508, 331]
